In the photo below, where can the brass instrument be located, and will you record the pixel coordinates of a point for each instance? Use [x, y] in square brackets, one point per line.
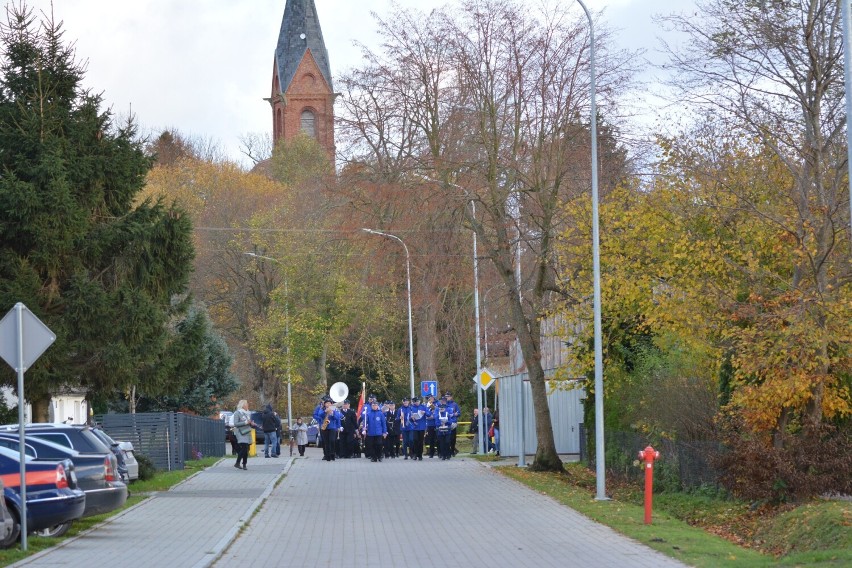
[328, 412]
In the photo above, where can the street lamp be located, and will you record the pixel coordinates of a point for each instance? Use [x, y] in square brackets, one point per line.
[287, 333]
[600, 470]
[408, 285]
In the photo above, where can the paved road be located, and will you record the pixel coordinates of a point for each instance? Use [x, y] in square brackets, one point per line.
[354, 513]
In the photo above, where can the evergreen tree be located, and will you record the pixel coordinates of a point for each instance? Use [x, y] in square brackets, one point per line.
[101, 270]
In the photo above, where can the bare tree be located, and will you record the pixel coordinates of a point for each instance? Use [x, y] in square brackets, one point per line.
[486, 103]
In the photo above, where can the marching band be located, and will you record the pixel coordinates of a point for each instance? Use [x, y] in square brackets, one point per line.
[383, 430]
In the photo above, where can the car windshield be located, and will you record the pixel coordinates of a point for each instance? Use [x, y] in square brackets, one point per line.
[104, 437]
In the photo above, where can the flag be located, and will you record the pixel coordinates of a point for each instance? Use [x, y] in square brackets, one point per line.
[361, 400]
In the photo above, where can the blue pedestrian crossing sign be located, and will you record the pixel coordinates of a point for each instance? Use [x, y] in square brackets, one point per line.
[429, 388]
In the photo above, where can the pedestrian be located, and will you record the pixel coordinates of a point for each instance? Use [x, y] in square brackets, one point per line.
[487, 418]
[443, 430]
[329, 429]
[300, 431]
[270, 424]
[454, 411]
[375, 431]
[243, 425]
[495, 432]
[349, 424]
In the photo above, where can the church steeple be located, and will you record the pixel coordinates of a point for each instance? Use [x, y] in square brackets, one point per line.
[302, 94]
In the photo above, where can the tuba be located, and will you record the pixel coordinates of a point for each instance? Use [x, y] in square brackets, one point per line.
[338, 392]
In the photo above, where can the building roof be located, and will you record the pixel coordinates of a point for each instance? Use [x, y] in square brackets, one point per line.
[300, 19]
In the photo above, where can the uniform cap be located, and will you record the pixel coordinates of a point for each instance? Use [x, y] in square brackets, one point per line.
[406, 399]
[346, 401]
[415, 399]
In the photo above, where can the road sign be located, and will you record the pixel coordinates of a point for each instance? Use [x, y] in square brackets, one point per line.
[36, 337]
[429, 388]
[485, 379]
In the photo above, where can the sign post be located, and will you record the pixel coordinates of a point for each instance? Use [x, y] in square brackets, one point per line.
[23, 338]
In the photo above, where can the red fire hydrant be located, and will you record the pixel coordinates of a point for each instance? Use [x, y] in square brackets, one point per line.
[648, 455]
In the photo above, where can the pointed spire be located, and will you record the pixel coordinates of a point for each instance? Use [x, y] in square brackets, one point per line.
[300, 31]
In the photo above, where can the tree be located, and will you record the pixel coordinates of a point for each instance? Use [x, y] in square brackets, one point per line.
[200, 357]
[486, 104]
[772, 70]
[102, 272]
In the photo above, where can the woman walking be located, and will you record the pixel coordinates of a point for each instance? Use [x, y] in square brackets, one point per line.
[242, 430]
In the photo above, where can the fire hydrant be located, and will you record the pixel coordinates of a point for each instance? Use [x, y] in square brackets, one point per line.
[648, 455]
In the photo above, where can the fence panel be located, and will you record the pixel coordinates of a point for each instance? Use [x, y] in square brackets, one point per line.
[168, 439]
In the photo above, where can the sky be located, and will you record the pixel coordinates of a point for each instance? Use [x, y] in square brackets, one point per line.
[203, 67]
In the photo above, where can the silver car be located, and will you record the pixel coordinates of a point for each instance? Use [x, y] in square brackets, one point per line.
[126, 450]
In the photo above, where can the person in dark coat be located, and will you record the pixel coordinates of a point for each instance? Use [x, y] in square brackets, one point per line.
[349, 423]
[271, 425]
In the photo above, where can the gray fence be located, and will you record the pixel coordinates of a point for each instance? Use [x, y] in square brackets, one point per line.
[168, 439]
[682, 465]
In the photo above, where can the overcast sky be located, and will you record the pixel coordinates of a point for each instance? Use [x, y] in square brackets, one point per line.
[204, 67]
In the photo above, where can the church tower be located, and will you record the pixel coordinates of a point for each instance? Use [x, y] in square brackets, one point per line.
[302, 94]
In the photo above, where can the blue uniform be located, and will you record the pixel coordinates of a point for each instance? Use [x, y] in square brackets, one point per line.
[330, 433]
[375, 425]
[444, 430]
[419, 427]
[407, 430]
[455, 411]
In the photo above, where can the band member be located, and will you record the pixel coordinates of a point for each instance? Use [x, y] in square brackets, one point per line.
[349, 424]
[442, 421]
[406, 428]
[455, 411]
[319, 415]
[392, 441]
[431, 438]
[375, 430]
[418, 421]
[329, 428]
[362, 420]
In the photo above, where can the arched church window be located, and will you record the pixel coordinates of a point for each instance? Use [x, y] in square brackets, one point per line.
[309, 123]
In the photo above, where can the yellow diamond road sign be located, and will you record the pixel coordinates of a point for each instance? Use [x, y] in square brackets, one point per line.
[485, 379]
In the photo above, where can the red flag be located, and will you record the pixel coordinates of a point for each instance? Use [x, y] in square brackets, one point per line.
[361, 401]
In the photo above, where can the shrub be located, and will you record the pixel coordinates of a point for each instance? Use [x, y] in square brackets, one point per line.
[146, 467]
[813, 462]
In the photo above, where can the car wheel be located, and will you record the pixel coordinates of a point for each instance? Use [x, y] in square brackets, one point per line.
[55, 530]
[16, 532]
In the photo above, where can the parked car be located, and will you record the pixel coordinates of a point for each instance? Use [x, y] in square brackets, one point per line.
[123, 452]
[9, 528]
[104, 493]
[257, 418]
[313, 432]
[53, 498]
[76, 437]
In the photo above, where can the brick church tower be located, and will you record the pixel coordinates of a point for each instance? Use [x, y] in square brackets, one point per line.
[302, 94]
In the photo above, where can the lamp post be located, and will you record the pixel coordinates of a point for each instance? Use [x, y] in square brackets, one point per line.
[847, 75]
[287, 333]
[600, 470]
[408, 286]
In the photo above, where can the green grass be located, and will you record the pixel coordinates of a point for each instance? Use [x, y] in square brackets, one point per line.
[820, 532]
[139, 490]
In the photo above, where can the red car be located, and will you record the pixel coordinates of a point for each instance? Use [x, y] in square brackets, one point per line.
[52, 494]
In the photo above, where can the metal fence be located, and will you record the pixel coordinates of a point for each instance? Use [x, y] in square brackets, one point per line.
[168, 439]
[682, 465]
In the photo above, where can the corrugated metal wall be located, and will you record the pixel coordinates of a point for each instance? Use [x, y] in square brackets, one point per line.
[566, 415]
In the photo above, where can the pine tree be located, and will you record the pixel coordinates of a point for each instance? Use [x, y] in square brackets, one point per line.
[101, 270]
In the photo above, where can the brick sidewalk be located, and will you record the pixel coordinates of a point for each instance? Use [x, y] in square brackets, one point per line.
[423, 514]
